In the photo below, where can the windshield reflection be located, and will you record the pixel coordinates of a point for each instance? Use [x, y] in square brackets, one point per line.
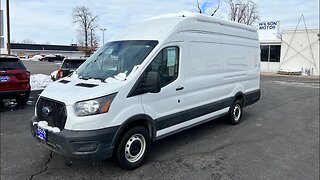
[114, 58]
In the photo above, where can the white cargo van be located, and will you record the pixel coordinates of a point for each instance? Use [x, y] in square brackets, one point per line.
[153, 79]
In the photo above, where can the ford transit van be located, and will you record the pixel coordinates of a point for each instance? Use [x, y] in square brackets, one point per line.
[153, 79]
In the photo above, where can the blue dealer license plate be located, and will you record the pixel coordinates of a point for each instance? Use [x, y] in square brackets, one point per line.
[4, 78]
[42, 134]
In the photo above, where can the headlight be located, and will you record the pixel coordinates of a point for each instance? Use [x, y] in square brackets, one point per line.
[94, 106]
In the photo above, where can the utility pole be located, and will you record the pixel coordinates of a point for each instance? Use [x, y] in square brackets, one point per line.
[8, 28]
[103, 30]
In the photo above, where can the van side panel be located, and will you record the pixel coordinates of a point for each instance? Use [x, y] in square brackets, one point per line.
[204, 71]
[221, 62]
[241, 60]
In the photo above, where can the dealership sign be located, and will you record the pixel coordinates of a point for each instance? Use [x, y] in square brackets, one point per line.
[268, 25]
[269, 30]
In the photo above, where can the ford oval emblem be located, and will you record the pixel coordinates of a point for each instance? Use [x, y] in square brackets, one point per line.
[46, 110]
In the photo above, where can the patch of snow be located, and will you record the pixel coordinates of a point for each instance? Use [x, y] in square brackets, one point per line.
[54, 74]
[39, 81]
[44, 125]
[121, 76]
[94, 81]
[36, 58]
[110, 80]
[49, 55]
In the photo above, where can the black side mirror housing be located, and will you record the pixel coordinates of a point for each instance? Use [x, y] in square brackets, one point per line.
[149, 82]
[152, 83]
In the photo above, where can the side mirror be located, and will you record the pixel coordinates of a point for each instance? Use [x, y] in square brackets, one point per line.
[58, 65]
[146, 83]
[152, 83]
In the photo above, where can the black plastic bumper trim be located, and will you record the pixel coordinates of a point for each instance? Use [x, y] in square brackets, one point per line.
[66, 141]
[252, 97]
[183, 116]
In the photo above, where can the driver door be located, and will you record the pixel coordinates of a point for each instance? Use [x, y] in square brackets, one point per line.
[166, 107]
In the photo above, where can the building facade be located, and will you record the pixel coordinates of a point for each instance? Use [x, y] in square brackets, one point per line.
[295, 51]
[29, 50]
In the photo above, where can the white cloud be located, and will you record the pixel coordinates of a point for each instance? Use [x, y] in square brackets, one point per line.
[47, 20]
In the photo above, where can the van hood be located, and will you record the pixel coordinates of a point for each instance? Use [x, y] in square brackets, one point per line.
[70, 90]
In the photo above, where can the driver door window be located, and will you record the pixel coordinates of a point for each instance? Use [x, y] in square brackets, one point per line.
[166, 63]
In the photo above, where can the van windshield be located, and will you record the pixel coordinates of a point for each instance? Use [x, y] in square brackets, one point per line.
[114, 58]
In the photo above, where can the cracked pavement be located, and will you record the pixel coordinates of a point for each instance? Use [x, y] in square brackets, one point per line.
[278, 139]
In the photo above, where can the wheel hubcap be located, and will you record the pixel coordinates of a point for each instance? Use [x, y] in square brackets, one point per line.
[237, 112]
[135, 148]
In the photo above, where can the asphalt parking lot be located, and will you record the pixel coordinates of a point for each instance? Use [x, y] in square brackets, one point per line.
[41, 67]
[278, 139]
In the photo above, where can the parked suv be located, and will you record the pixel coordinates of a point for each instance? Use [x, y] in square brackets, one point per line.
[66, 68]
[14, 79]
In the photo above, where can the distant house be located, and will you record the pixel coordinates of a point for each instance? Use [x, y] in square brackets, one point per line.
[29, 50]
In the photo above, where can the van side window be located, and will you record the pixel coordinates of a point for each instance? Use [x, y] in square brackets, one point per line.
[166, 63]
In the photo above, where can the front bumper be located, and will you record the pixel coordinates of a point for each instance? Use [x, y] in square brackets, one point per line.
[91, 144]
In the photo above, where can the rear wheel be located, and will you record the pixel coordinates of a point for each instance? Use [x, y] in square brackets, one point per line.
[235, 112]
[133, 148]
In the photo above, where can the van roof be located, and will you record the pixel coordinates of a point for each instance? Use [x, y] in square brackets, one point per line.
[159, 27]
[205, 18]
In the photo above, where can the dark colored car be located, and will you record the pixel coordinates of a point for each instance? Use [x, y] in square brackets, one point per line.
[14, 79]
[67, 67]
[56, 57]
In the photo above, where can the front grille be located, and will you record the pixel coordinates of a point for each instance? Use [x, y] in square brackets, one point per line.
[57, 115]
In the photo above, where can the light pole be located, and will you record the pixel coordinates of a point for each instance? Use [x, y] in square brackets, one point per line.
[103, 30]
[8, 28]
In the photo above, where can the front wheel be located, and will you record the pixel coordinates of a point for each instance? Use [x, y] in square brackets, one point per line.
[133, 148]
[235, 112]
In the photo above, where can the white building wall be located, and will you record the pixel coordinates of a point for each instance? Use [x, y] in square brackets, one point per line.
[300, 51]
[269, 66]
[68, 54]
[3, 27]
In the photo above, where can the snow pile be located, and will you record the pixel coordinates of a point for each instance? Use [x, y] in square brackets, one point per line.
[54, 74]
[44, 125]
[36, 58]
[120, 76]
[39, 81]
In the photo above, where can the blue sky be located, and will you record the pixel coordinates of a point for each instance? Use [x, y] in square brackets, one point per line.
[51, 21]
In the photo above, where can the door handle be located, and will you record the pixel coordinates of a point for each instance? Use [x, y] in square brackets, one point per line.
[179, 88]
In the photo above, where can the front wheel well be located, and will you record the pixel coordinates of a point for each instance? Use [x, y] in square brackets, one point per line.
[132, 123]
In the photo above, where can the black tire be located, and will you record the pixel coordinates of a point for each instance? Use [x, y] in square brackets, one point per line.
[132, 141]
[23, 99]
[235, 112]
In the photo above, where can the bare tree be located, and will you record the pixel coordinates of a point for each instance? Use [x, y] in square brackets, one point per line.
[93, 39]
[86, 21]
[213, 11]
[199, 7]
[243, 11]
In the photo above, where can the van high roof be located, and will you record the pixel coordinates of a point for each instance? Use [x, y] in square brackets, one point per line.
[205, 18]
[160, 27]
